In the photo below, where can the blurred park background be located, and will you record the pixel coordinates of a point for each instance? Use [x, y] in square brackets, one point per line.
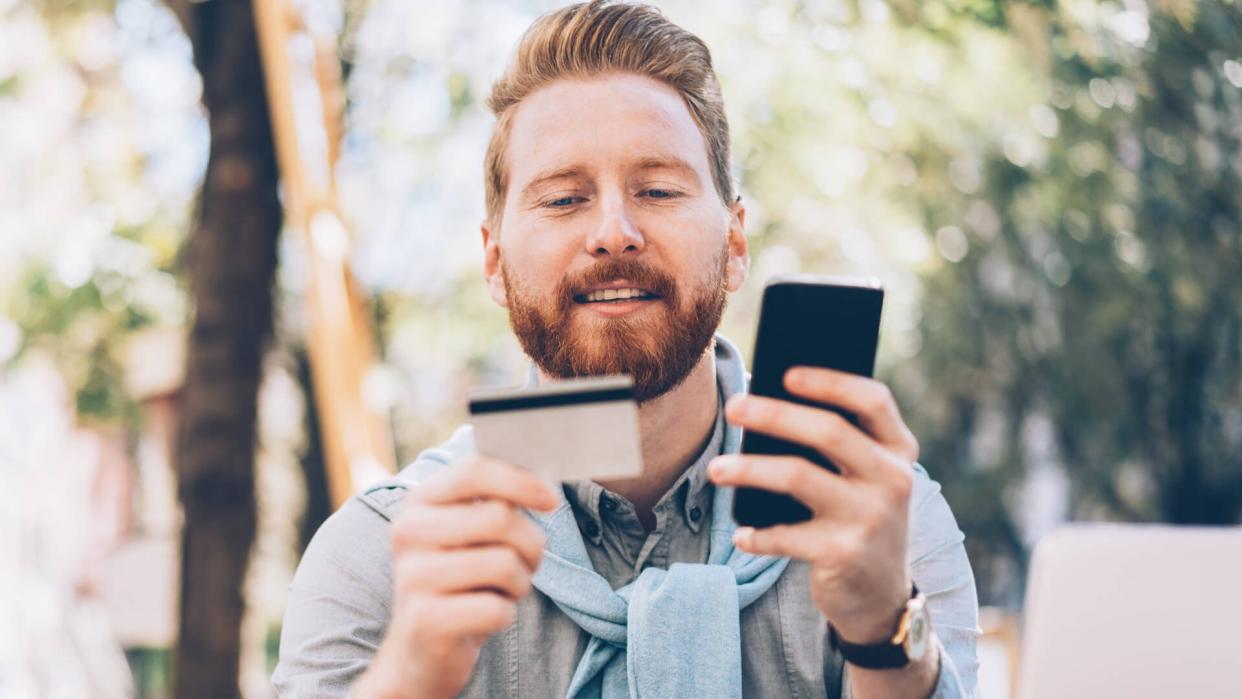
[190, 361]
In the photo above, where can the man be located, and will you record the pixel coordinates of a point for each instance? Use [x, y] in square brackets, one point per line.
[613, 235]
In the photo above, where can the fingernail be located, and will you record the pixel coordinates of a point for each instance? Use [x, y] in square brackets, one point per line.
[736, 405]
[742, 536]
[550, 493]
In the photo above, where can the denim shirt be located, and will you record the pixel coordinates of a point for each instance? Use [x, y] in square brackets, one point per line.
[340, 599]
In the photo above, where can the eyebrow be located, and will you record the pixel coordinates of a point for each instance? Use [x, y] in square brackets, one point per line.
[560, 173]
[669, 163]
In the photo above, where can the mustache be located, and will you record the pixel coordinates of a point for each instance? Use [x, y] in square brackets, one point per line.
[638, 273]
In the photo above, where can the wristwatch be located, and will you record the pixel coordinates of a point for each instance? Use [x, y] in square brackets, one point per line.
[908, 645]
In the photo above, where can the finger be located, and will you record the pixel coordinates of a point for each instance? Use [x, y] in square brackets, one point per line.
[801, 541]
[483, 477]
[487, 568]
[818, 488]
[462, 614]
[423, 526]
[869, 400]
[844, 445]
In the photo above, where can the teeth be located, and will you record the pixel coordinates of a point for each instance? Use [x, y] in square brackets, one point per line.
[615, 295]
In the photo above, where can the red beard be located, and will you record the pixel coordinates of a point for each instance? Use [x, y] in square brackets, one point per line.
[658, 349]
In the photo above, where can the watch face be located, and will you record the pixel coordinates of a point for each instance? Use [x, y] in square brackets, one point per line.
[920, 633]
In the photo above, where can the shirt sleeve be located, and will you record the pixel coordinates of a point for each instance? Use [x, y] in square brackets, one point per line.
[942, 573]
[340, 600]
[338, 606]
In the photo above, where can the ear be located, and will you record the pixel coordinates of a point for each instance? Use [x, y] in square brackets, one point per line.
[491, 265]
[738, 263]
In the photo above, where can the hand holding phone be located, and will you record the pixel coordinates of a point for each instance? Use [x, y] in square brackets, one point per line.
[805, 320]
[856, 539]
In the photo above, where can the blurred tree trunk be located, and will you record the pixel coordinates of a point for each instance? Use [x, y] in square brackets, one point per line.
[314, 470]
[231, 259]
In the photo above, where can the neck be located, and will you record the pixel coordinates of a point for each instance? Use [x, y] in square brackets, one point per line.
[674, 428]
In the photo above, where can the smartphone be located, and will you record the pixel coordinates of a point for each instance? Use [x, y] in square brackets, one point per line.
[805, 320]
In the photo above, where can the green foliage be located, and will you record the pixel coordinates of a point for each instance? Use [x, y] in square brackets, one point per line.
[1098, 293]
[84, 329]
[71, 9]
[105, 109]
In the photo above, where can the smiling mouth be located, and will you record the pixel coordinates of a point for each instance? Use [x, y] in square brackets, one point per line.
[615, 296]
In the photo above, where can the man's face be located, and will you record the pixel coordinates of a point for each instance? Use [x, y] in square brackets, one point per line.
[615, 252]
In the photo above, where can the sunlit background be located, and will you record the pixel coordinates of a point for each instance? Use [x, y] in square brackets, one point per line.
[1050, 192]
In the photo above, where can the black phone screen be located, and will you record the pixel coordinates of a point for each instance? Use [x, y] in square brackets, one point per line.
[828, 322]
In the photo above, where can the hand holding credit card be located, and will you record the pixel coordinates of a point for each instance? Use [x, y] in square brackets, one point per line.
[567, 430]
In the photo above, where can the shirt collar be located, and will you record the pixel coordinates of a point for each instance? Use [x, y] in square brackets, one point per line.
[731, 378]
[696, 508]
[584, 497]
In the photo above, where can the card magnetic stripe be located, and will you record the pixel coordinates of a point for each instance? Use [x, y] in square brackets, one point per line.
[550, 400]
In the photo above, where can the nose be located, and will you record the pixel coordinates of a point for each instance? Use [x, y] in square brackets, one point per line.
[616, 232]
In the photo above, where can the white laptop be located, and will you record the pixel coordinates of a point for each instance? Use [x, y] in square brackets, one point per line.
[1134, 611]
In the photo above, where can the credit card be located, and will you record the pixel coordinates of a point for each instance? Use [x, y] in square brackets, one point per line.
[563, 431]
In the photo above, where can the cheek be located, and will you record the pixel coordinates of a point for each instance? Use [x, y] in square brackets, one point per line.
[536, 262]
[682, 234]
[705, 252]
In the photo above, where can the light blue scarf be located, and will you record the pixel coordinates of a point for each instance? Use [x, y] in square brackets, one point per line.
[641, 641]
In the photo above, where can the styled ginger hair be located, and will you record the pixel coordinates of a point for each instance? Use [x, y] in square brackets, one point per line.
[598, 37]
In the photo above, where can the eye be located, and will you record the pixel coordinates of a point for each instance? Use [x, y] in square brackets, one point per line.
[660, 193]
[562, 202]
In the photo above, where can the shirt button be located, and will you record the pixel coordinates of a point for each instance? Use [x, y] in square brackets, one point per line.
[695, 514]
[592, 529]
[607, 504]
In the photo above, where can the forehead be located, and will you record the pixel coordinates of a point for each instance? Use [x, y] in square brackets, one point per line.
[600, 122]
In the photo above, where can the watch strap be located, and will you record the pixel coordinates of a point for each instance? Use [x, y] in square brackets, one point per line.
[873, 656]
